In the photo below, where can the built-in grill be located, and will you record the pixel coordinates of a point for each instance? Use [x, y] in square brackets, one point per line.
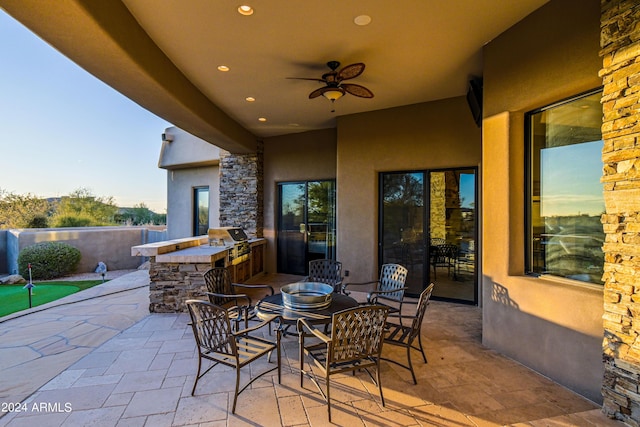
[234, 237]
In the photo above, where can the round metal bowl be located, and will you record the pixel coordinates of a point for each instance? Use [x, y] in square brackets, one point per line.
[306, 295]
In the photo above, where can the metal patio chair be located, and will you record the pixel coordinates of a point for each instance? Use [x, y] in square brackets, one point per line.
[405, 336]
[355, 343]
[326, 271]
[389, 288]
[218, 343]
[444, 256]
[221, 291]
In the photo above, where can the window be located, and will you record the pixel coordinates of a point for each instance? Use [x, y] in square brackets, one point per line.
[200, 211]
[564, 194]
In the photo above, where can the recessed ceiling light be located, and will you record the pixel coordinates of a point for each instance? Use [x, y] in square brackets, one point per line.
[262, 119]
[245, 10]
[362, 20]
[223, 68]
[249, 99]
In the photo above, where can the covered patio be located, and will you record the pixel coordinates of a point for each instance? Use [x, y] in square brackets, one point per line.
[100, 358]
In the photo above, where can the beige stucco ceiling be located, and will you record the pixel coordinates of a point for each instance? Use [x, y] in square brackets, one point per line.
[163, 54]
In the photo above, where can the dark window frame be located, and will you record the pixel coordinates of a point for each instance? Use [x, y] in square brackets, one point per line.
[197, 191]
[529, 265]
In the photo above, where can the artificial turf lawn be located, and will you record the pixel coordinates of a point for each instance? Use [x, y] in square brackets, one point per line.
[16, 298]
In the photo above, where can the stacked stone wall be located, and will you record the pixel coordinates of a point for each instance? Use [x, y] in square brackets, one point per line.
[174, 283]
[241, 191]
[620, 52]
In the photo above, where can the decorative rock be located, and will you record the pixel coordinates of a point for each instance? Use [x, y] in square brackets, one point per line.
[13, 279]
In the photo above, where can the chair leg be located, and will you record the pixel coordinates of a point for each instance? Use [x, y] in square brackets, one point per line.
[413, 375]
[424, 356]
[328, 395]
[301, 356]
[193, 390]
[235, 395]
[278, 336]
[379, 376]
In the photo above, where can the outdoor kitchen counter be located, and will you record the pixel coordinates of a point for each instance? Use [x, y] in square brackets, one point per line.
[176, 268]
[192, 250]
[159, 248]
[199, 255]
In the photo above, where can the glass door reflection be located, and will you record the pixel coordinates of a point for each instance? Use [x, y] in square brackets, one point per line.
[402, 230]
[452, 234]
[443, 203]
[306, 224]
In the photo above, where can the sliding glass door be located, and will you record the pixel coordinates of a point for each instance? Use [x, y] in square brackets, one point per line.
[402, 239]
[428, 224]
[306, 224]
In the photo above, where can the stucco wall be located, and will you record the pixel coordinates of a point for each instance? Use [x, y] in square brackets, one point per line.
[111, 245]
[555, 327]
[182, 150]
[432, 135]
[180, 185]
[3, 250]
[301, 156]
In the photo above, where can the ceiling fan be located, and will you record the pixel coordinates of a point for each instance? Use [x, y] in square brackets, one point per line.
[334, 87]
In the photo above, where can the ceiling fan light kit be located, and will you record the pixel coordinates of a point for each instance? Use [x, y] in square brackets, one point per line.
[333, 94]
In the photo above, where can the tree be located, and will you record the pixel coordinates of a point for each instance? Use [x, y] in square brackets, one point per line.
[23, 211]
[140, 214]
[82, 209]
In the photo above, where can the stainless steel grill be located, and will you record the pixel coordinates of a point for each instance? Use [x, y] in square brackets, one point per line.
[234, 237]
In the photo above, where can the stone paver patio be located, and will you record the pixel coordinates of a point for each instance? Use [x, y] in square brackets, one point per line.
[106, 361]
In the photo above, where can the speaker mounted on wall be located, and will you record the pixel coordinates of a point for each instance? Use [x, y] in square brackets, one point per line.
[474, 99]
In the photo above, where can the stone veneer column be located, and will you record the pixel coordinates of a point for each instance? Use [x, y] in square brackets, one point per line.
[620, 52]
[241, 191]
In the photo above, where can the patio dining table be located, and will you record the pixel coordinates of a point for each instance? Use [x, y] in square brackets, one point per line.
[273, 304]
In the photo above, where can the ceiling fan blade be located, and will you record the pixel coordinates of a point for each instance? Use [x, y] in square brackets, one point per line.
[351, 71]
[357, 90]
[316, 93]
[304, 78]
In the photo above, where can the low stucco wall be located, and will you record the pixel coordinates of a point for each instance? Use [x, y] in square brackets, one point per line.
[3, 250]
[111, 245]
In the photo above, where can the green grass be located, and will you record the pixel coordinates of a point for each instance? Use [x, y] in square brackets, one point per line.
[15, 298]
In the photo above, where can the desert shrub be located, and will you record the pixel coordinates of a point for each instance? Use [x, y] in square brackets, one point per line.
[48, 260]
[73, 221]
[39, 221]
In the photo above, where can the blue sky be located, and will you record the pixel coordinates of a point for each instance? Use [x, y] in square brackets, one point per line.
[63, 129]
[570, 180]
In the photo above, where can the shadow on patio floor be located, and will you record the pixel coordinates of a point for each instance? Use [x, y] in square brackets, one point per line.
[107, 361]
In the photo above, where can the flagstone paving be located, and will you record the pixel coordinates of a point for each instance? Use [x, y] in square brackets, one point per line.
[106, 361]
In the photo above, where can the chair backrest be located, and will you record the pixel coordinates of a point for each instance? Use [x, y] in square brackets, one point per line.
[218, 281]
[444, 255]
[357, 333]
[392, 277]
[211, 327]
[326, 271]
[446, 251]
[423, 302]
[437, 241]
